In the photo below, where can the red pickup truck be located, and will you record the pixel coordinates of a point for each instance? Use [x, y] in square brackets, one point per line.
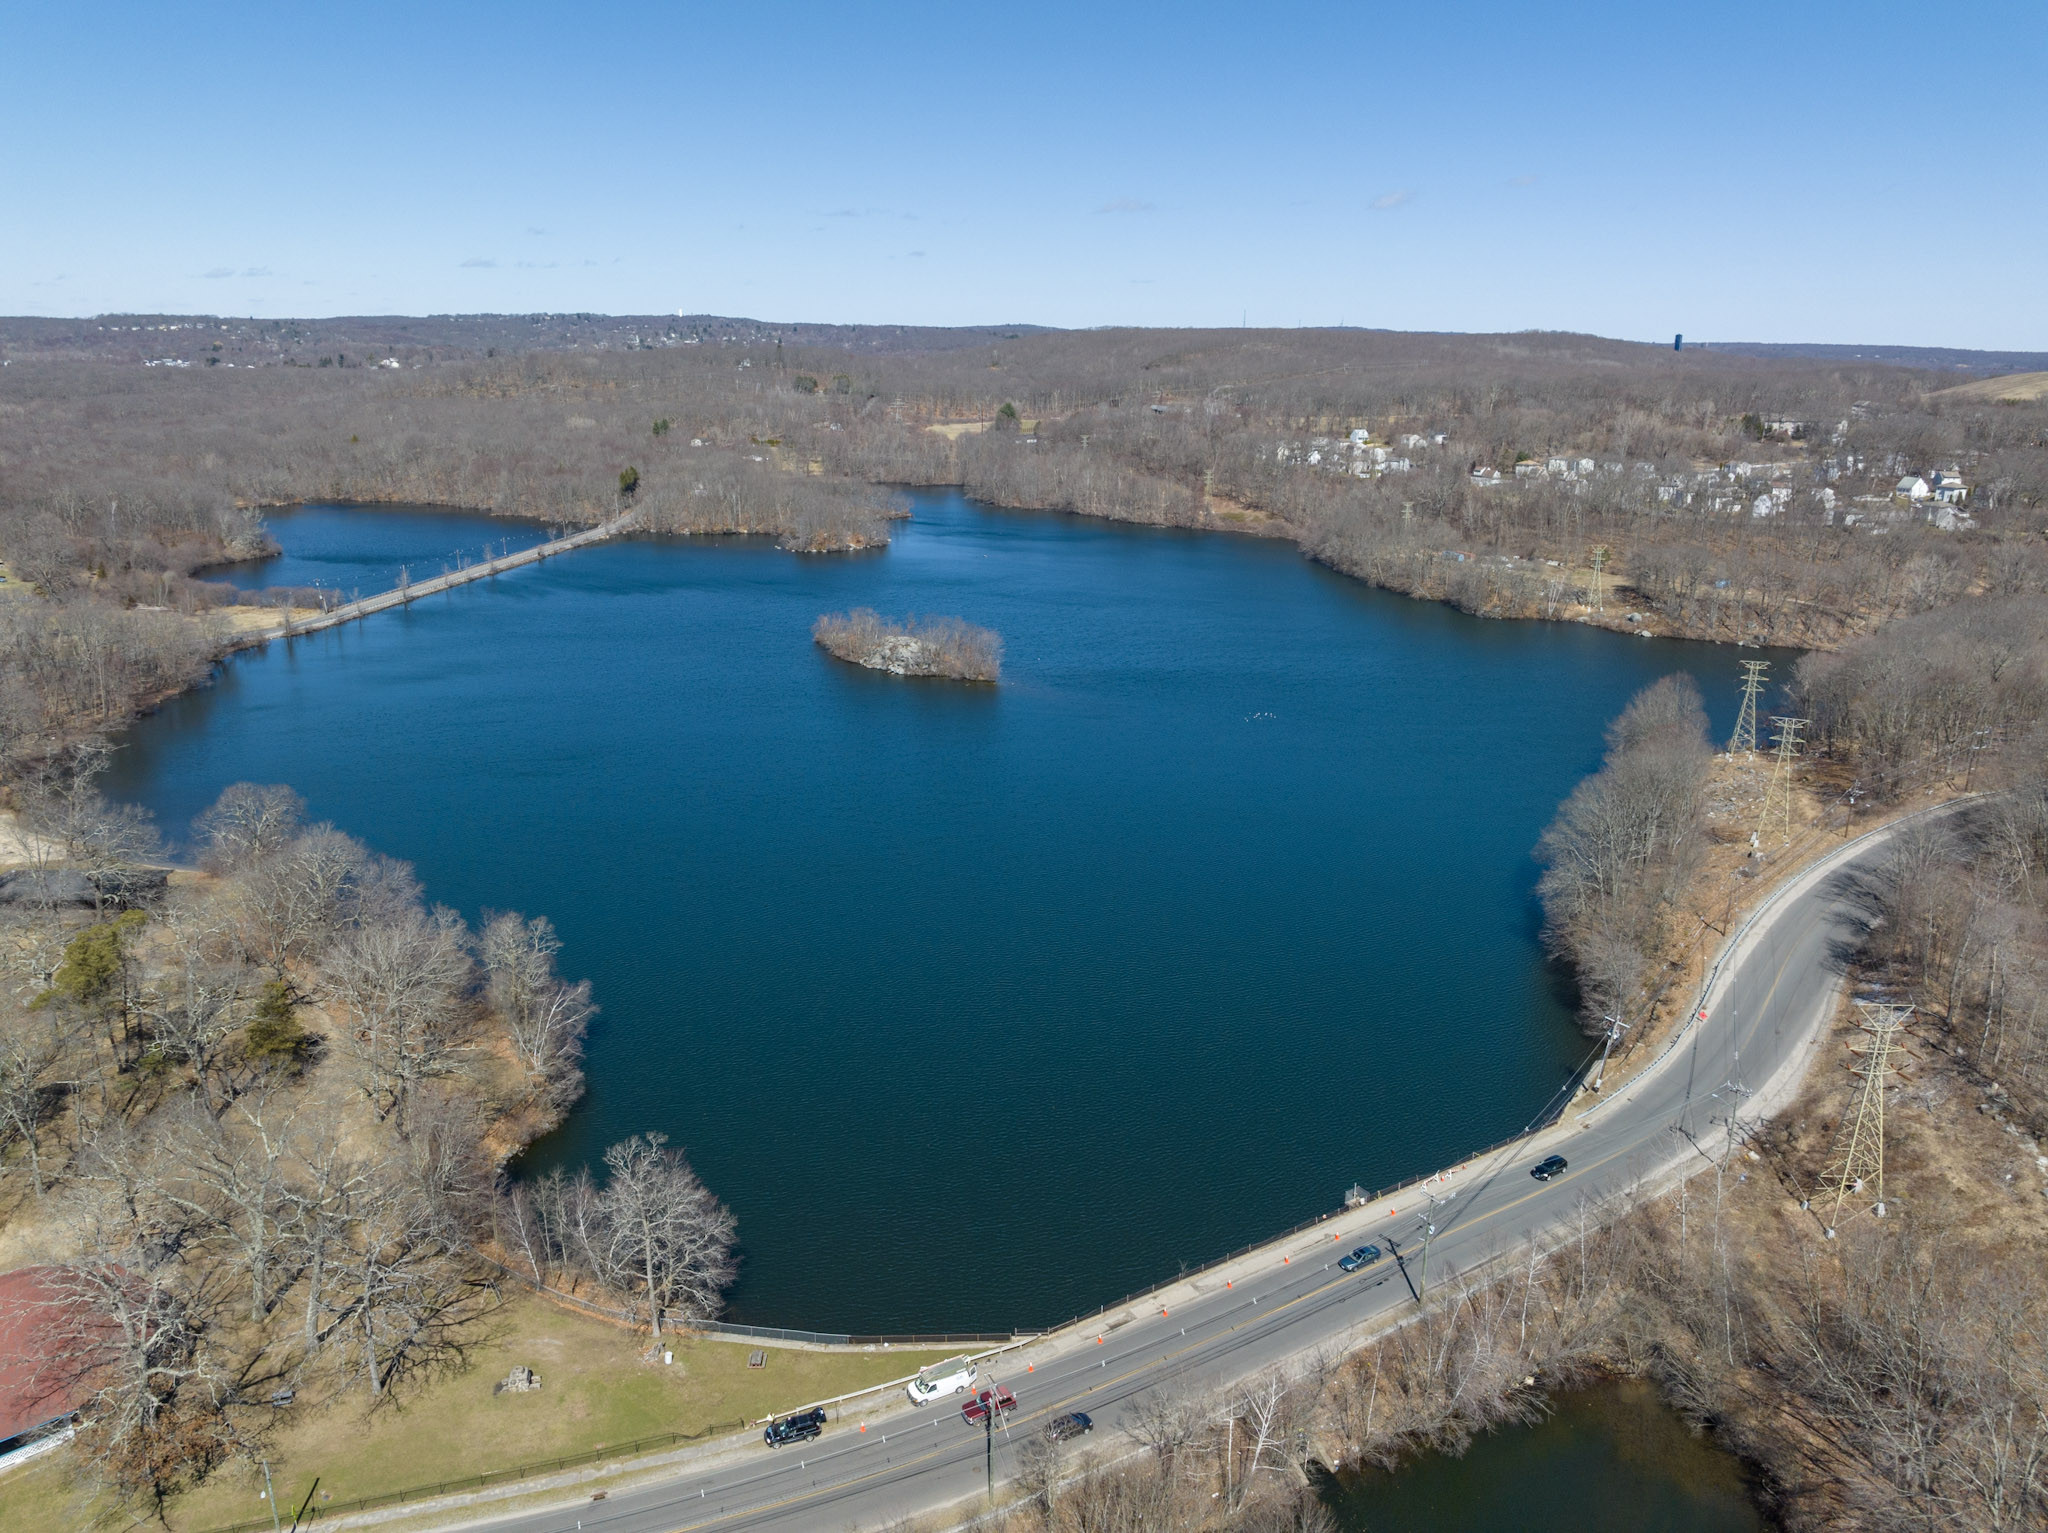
[996, 1400]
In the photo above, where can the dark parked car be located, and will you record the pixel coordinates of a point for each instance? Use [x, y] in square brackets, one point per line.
[1364, 1256]
[1553, 1166]
[997, 1400]
[1073, 1424]
[800, 1428]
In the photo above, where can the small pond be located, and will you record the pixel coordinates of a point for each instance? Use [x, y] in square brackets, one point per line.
[1613, 1459]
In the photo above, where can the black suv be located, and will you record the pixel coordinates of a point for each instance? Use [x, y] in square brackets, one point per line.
[800, 1428]
[1544, 1170]
[1073, 1424]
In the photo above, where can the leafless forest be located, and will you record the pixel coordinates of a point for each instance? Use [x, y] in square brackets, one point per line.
[1885, 1379]
[253, 1121]
[1709, 494]
[268, 1103]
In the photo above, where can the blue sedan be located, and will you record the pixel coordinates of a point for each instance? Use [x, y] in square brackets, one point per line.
[1364, 1256]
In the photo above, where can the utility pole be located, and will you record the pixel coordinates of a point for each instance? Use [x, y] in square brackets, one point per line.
[1744, 738]
[270, 1496]
[1422, 1287]
[1859, 1158]
[1778, 793]
[1615, 1028]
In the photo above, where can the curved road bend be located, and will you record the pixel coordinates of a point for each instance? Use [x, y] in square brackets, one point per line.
[1766, 1005]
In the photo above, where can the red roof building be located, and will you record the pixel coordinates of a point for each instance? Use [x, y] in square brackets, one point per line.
[39, 1384]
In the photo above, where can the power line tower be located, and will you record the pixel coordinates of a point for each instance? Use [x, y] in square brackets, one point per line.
[1858, 1163]
[1744, 738]
[1778, 792]
[1599, 584]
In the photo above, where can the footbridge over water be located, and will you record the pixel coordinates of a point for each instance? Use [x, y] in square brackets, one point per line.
[409, 591]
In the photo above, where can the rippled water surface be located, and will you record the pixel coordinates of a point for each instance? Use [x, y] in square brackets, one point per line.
[979, 1005]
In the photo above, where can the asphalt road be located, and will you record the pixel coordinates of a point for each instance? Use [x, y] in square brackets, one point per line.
[1765, 1007]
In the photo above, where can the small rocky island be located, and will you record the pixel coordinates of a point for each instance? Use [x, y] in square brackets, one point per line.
[933, 646]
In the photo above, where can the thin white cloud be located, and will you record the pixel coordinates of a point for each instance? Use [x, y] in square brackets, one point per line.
[216, 273]
[480, 261]
[1126, 205]
[1392, 199]
[1522, 181]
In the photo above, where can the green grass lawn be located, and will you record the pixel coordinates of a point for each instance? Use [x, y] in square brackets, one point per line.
[595, 1392]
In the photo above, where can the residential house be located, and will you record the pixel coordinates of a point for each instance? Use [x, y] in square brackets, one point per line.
[1486, 475]
[1912, 487]
[1947, 487]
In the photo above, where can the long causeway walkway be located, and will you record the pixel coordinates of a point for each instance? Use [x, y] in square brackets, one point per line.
[412, 591]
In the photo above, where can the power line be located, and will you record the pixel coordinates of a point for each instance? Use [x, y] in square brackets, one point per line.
[1778, 792]
[1744, 738]
[1858, 1163]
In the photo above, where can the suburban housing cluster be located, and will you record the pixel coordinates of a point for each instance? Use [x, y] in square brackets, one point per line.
[1897, 491]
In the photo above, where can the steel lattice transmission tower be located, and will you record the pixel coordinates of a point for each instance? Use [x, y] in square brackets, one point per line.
[1778, 791]
[1599, 584]
[1753, 679]
[1858, 1163]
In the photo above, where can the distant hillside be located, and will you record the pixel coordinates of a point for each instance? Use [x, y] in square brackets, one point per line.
[1933, 358]
[189, 337]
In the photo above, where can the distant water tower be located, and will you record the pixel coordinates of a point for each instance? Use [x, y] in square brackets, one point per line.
[1678, 342]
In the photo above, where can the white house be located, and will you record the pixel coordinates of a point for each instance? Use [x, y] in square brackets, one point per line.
[1913, 487]
[1561, 467]
[1485, 474]
[1948, 488]
[1412, 441]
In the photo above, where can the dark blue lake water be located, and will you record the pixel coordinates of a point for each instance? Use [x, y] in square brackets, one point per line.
[1613, 1459]
[359, 551]
[979, 1005]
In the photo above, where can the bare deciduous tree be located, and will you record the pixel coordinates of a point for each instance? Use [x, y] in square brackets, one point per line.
[546, 1017]
[248, 822]
[399, 982]
[661, 1233]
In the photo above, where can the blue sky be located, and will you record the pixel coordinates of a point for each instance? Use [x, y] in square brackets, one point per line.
[1803, 171]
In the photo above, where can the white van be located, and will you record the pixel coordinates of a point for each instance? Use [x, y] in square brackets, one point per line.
[941, 1379]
